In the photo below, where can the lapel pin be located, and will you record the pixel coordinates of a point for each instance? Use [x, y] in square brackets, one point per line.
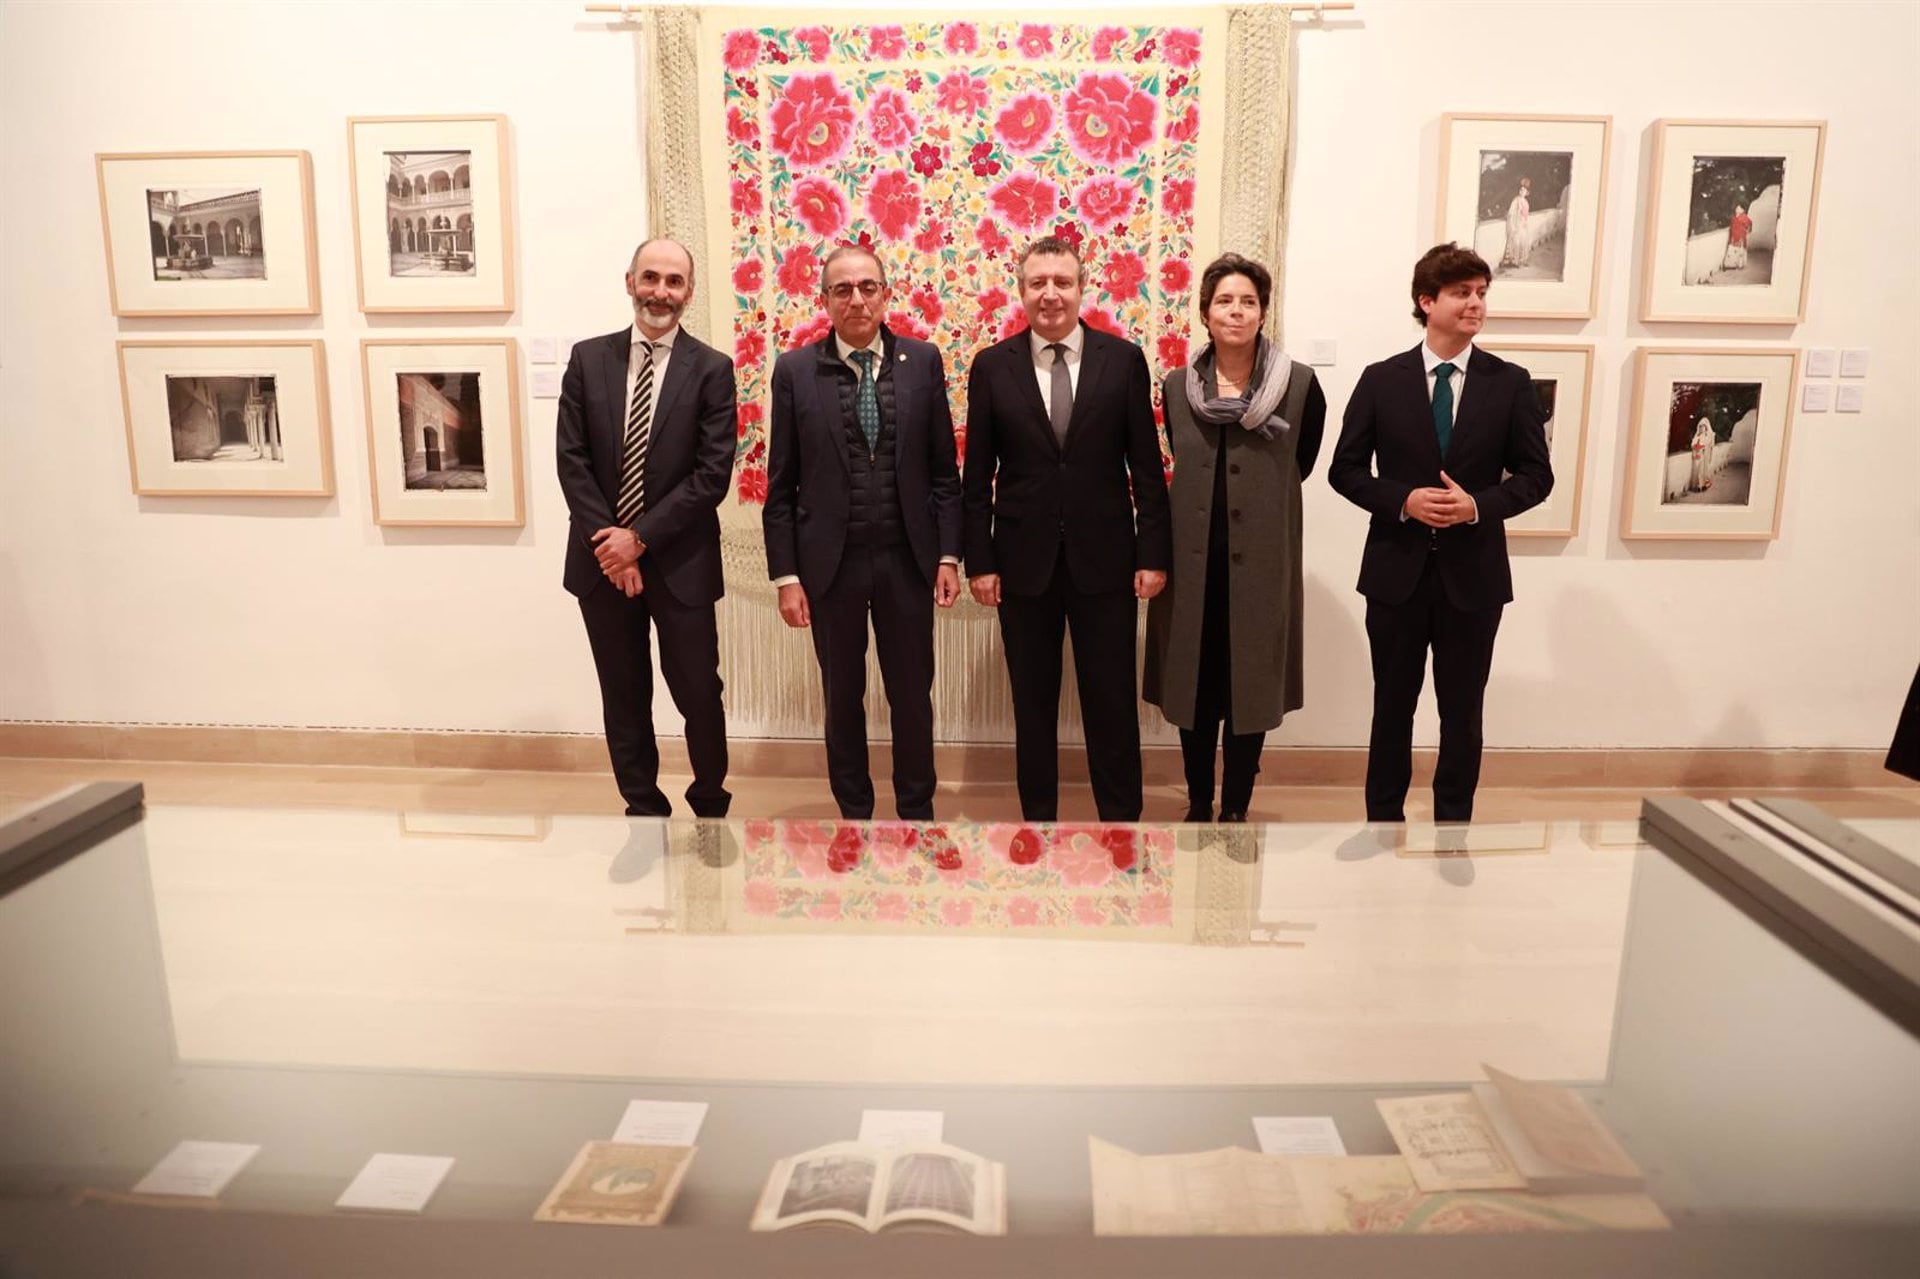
[900, 358]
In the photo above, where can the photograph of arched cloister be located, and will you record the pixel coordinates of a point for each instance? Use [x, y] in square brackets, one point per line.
[207, 234]
[430, 213]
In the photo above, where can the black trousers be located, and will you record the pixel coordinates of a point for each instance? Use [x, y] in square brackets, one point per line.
[884, 584]
[617, 630]
[1213, 701]
[1102, 625]
[1462, 643]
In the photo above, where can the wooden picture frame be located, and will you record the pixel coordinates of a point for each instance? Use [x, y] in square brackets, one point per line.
[1567, 370]
[218, 418]
[1707, 456]
[205, 233]
[1710, 177]
[430, 463]
[432, 213]
[1529, 194]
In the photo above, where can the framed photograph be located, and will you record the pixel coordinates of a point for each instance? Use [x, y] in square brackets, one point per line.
[443, 430]
[226, 419]
[1527, 194]
[432, 213]
[1563, 380]
[1730, 220]
[209, 232]
[1708, 454]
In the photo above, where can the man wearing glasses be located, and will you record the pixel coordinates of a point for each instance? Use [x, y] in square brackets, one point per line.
[863, 522]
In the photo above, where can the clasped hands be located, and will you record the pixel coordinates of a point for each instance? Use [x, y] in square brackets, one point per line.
[1441, 507]
[1147, 583]
[796, 612]
[618, 551]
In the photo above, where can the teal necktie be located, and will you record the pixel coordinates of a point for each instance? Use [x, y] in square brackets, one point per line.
[1443, 404]
[866, 400]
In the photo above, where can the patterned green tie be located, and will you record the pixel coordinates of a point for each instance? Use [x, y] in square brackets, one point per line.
[1443, 404]
[866, 400]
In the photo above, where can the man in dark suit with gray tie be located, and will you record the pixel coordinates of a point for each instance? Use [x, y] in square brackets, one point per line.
[1066, 526]
[645, 433]
[1440, 444]
[863, 524]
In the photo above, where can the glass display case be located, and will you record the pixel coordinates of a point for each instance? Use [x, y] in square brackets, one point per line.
[1738, 1008]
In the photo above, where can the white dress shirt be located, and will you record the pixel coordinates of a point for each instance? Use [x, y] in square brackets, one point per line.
[1458, 380]
[1043, 363]
[663, 351]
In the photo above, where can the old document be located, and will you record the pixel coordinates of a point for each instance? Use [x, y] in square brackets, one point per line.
[1448, 1143]
[612, 1184]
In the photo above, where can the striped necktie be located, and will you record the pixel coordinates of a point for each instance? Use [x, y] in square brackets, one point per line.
[633, 468]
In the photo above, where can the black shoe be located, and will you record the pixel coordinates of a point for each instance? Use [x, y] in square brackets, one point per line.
[1199, 814]
[1236, 818]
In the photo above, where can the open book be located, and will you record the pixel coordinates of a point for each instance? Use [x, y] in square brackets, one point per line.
[873, 1188]
[1509, 1134]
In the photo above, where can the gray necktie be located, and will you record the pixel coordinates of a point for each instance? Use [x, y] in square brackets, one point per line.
[1060, 394]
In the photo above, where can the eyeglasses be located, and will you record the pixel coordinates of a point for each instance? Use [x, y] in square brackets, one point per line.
[846, 289]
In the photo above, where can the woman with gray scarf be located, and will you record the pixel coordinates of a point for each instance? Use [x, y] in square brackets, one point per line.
[1223, 640]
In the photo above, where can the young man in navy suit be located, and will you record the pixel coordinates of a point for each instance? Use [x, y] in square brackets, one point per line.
[646, 431]
[1440, 445]
[863, 522]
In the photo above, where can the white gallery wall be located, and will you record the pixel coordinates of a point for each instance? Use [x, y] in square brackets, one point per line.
[258, 611]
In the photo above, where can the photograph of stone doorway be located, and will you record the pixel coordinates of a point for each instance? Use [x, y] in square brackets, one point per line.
[441, 441]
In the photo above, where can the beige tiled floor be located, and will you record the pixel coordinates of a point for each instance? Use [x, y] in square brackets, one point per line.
[24, 780]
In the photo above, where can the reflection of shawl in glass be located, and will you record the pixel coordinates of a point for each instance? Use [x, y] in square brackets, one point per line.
[1259, 412]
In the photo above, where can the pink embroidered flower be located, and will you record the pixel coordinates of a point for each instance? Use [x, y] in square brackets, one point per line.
[1177, 197]
[821, 206]
[815, 40]
[982, 161]
[1184, 129]
[1109, 122]
[751, 413]
[962, 37]
[748, 348]
[956, 912]
[808, 333]
[1104, 40]
[826, 905]
[886, 43]
[1023, 912]
[1105, 201]
[1079, 859]
[992, 241]
[926, 300]
[1087, 912]
[991, 302]
[759, 897]
[742, 50]
[1026, 200]
[931, 237]
[748, 276]
[890, 908]
[890, 119]
[798, 272]
[893, 203]
[1025, 848]
[1181, 46]
[907, 324]
[812, 121]
[1099, 317]
[1014, 321]
[1035, 40]
[928, 159]
[1155, 909]
[759, 830]
[960, 93]
[1025, 123]
[1069, 230]
[1123, 275]
[1119, 843]
[1173, 350]
[1175, 275]
[740, 127]
[753, 485]
[744, 198]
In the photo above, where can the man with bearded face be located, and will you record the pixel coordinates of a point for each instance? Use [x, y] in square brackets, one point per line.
[646, 441]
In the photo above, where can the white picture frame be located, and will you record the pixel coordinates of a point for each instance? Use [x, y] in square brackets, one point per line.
[1730, 485]
[445, 243]
[214, 418]
[430, 464]
[204, 233]
[1702, 171]
[1566, 369]
[1528, 193]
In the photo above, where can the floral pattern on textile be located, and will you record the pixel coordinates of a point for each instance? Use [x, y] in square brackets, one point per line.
[963, 877]
[942, 147]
